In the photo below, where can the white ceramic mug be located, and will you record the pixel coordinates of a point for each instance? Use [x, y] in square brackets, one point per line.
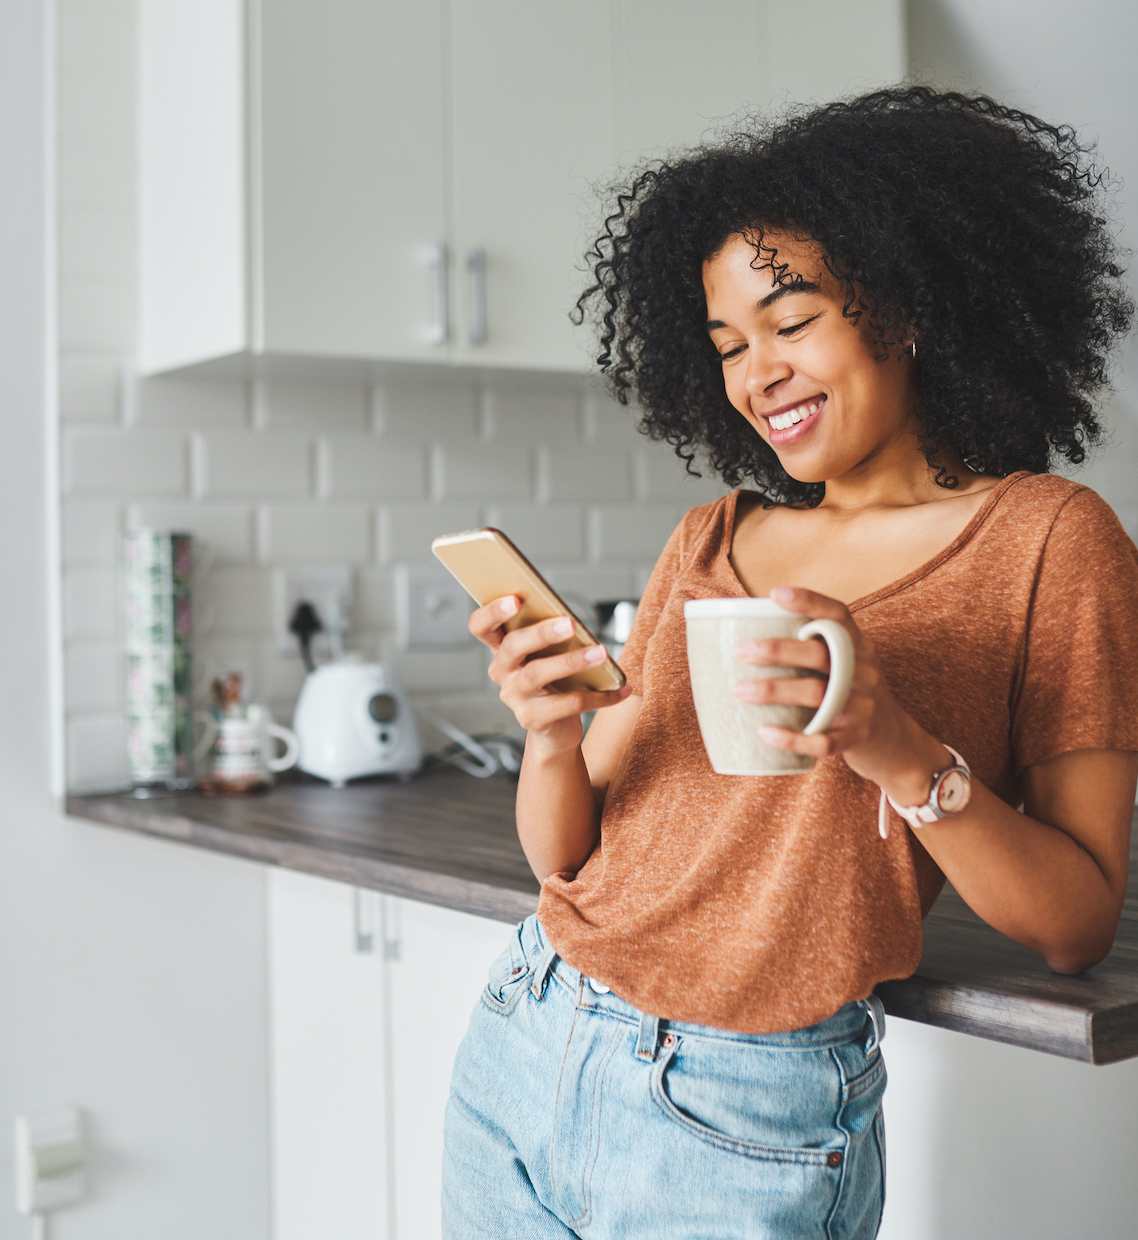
[716, 627]
[241, 749]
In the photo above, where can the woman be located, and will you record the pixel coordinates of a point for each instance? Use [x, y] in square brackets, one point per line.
[892, 315]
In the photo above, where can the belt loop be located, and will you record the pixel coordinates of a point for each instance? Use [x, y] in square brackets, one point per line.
[541, 971]
[646, 1042]
[875, 1010]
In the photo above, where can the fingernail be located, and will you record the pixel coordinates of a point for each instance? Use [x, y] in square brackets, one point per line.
[746, 650]
[563, 627]
[769, 734]
[743, 689]
[624, 691]
[508, 606]
[596, 654]
[782, 594]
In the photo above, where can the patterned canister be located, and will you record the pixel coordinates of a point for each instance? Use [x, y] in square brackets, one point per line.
[156, 652]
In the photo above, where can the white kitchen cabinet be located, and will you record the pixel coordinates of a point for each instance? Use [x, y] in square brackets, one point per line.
[362, 1043]
[292, 179]
[337, 180]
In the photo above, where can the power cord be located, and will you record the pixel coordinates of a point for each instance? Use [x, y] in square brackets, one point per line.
[482, 755]
[305, 624]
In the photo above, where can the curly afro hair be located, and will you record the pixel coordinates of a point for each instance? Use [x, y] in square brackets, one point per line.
[980, 228]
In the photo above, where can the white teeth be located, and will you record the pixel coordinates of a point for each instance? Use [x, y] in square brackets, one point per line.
[784, 421]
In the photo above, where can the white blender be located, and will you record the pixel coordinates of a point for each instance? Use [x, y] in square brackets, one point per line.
[352, 718]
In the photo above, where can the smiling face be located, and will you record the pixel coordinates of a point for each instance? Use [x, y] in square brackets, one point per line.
[804, 375]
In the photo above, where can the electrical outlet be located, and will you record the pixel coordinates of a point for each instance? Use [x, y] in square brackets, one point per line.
[431, 608]
[328, 589]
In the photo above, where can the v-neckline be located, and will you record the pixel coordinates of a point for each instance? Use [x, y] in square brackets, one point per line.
[978, 518]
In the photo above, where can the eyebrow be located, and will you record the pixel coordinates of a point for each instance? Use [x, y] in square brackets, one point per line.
[783, 290]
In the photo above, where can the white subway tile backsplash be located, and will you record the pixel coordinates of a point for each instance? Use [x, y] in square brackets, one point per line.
[406, 530]
[631, 531]
[189, 403]
[427, 412]
[90, 532]
[218, 654]
[280, 677]
[252, 465]
[484, 472]
[118, 463]
[365, 467]
[318, 533]
[609, 422]
[223, 533]
[375, 599]
[90, 603]
[534, 416]
[96, 753]
[591, 582]
[97, 174]
[303, 406]
[438, 669]
[90, 387]
[544, 534]
[661, 475]
[235, 601]
[92, 675]
[593, 473]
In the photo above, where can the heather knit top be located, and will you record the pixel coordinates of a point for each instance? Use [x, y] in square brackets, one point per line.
[765, 903]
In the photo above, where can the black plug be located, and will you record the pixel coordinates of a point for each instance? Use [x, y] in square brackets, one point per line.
[304, 622]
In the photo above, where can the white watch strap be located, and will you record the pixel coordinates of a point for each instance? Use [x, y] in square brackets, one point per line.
[916, 816]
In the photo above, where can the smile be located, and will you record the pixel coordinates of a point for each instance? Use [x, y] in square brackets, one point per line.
[791, 417]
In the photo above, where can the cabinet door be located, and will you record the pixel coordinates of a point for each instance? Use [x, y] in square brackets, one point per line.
[440, 969]
[327, 1063]
[533, 128]
[350, 170]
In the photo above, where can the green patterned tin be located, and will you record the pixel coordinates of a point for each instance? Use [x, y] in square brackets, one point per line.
[157, 566]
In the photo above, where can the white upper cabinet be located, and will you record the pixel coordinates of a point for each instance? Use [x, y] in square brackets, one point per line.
[533, 131]
[367, 179]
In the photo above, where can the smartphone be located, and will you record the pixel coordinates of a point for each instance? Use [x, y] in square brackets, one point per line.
[489, 566]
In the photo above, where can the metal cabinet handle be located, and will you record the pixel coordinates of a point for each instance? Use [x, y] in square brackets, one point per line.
[476, 265]
[439, 330]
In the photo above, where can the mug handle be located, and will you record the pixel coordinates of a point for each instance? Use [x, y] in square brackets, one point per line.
[841, 649]
[209, 734]
[292, 748]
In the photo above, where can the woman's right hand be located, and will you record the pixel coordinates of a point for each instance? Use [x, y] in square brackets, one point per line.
[525, 677]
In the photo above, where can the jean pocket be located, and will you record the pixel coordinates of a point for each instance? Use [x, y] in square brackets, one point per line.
[862, 1095]
[506, 981]
[761, 1103]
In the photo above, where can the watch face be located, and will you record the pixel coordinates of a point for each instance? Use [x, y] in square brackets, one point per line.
[954, 793]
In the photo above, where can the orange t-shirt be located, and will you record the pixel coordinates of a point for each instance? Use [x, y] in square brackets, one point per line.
[762, 904]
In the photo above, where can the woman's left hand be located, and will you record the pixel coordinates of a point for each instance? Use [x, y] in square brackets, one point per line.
[877, 737]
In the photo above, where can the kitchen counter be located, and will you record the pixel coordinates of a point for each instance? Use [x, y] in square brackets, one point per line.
[448, 839]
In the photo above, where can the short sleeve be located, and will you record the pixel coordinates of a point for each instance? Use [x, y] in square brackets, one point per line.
[656, 594]
[1079, 681]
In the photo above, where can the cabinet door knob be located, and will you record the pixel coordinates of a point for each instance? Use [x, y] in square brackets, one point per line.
[476, 265]
[439, 329]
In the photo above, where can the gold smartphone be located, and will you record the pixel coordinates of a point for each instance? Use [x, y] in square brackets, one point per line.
[489, 566]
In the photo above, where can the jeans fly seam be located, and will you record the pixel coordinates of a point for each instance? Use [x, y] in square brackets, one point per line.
[553, 1150]
[595, 1132]
[845, 1168]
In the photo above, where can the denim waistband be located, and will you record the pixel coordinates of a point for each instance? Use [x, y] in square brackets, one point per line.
[847, 1024]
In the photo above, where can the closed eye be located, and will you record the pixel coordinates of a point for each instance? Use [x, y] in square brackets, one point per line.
[723, 357]
[796, 327]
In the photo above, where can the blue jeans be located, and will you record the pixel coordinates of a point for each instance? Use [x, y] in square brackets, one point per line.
[572, 1113]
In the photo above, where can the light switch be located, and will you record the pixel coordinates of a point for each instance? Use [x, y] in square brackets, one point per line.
[431, 607]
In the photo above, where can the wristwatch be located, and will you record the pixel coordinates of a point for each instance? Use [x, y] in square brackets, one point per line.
[950, 793]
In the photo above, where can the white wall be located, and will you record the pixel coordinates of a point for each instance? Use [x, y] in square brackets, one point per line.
[985, 1141]
[131, 973]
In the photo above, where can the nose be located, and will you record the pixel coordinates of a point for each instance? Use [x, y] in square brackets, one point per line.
[765, 371]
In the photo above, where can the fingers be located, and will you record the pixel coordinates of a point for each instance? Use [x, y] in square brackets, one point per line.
[536, 675]
[486, 623]
[782, 690]
[850, 728]
[537, 713]
[808, 603]
[812, 655]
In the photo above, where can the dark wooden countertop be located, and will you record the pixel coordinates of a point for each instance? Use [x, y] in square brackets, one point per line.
[447, 838]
